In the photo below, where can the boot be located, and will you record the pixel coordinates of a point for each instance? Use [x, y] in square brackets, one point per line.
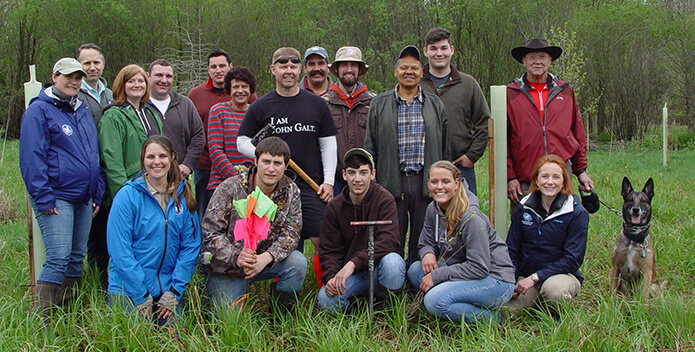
[45, 300]
[382, 297]
[68, 290]
[281, 303]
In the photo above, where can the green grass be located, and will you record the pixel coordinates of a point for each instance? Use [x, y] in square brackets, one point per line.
[595, 321]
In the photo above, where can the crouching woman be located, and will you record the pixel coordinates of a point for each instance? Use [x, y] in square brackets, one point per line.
[547, 238]
[153, 236]
[465, 270]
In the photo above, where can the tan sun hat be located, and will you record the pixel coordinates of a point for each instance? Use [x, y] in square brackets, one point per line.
[349, 54]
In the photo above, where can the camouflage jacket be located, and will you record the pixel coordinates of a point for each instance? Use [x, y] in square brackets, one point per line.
[220, 217]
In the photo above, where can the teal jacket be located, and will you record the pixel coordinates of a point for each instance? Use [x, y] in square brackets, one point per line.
[120, 140]
[152, 251]
[382, 138]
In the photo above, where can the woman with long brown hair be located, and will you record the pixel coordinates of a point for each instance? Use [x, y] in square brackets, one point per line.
[153, 235]
[465, 270]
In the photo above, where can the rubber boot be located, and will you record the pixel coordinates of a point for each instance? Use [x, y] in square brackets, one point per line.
[281, 303]
[68, 290]
[46, 300]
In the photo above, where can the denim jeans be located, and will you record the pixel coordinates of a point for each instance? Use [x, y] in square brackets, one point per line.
[470, 300]
[291, 271]
[202, 195]
[468, 173]
[130, 307]
[65, 236]
[390, 273]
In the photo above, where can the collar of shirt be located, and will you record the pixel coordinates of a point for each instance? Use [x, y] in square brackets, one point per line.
[400, 99]
[101, 87]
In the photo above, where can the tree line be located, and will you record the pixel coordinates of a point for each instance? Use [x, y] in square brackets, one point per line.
[625, 58]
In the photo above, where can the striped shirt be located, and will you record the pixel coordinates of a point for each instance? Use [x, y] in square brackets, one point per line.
[411, 133]
[223, 125]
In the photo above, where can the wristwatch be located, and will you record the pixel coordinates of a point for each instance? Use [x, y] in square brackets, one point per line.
[535, 278]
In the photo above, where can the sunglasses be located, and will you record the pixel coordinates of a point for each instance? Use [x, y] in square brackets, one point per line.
[284, 59]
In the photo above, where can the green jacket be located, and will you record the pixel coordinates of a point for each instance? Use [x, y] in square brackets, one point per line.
[382, 138]
[467, 111]
[120, 140]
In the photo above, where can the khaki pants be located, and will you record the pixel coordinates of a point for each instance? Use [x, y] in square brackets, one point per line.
[557, 288]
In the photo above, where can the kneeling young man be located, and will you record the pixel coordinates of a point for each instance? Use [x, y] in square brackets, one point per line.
[226, 262]
[343, 248]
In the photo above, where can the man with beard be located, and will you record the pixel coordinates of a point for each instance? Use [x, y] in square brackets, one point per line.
[348, 101]
[316, 69]
[303, 120]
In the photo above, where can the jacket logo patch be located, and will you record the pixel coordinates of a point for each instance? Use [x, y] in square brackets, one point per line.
[560, 98]
[67, 130]
[527, 220]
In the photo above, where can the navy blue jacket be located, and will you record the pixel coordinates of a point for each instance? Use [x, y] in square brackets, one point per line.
[59, 152]
[552, 244]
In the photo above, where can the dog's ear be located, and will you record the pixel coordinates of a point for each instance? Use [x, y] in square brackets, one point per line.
[649, 188]
[627, 187]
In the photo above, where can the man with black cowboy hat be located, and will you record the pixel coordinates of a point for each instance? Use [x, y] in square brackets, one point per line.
[348, 101]
[406, 133]
[542, 118]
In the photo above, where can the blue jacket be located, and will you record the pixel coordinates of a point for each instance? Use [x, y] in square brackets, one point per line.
[151, 252]
[550, 245]
[59, 152]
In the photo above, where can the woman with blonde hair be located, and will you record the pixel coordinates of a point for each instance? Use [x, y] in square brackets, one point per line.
[465, 270]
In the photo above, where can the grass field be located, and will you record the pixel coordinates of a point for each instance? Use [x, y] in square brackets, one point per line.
[595, 321]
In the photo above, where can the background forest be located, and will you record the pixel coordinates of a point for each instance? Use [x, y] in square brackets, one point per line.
[624, 58]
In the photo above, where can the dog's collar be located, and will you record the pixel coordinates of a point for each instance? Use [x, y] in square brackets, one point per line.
[636, 233]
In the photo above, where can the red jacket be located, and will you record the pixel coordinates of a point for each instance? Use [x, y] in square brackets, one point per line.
[530, 136]
[204, 97]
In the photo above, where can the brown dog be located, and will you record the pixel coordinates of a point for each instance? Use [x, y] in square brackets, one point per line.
[633, 254]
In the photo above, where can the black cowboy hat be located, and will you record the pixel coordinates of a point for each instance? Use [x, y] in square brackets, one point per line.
[533, 45]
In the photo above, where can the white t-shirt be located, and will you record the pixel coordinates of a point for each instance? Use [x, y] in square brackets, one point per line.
[162, 105]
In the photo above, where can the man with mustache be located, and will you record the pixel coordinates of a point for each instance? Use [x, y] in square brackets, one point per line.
[406, 133]
[303, 121]
[316, 69]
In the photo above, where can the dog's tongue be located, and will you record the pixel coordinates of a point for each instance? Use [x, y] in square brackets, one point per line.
[635, 219]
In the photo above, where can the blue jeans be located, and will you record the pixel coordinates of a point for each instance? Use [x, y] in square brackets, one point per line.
[468, 173]
[291, 271]
[130, 307]
[65, 236]
[470, 300]
[202, 195]
[390, 273]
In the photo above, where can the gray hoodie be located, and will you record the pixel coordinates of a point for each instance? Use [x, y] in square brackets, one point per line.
[474, 253]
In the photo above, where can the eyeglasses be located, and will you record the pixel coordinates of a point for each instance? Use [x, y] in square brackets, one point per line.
[542, 57]
[284, 59]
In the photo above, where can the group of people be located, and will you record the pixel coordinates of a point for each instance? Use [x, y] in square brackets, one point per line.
[106, 172]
